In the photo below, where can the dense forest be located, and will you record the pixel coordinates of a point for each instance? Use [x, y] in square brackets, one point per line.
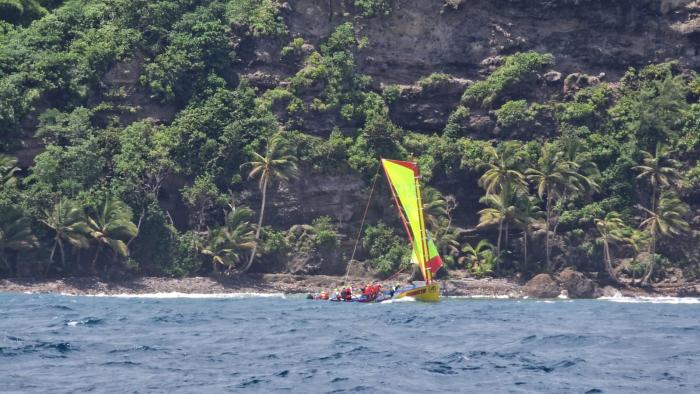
[197, 137]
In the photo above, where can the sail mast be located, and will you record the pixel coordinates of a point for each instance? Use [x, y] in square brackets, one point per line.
[423, 231]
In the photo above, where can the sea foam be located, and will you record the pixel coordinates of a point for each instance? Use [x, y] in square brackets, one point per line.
[172, 295]
[652, 300]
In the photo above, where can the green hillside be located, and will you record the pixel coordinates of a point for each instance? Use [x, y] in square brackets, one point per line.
[151, 137]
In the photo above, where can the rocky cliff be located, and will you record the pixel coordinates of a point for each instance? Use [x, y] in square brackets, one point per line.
[426, 53]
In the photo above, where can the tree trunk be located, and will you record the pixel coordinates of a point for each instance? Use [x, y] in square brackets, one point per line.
[608, 261]
[53, 252]
[505, 244]
[498, 245]
[93, 265]
[63, 256]
[650, 264]
[525, 249]
[138, 227]
[546, 229]
[257, 231]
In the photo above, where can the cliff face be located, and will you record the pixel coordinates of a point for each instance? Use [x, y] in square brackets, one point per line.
[592, 41]
[465, 39]
[592, 36]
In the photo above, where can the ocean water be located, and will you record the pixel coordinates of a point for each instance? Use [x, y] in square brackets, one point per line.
[245, 343]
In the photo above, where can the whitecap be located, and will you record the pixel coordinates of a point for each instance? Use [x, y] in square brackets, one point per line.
[396, 300]
[482, 296]
[651, 300]
[172, 295]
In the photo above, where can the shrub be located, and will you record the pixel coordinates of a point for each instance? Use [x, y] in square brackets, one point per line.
[391, 93]
[260, 17]
[186, 259]
[387, 251]
[473, 154]
[369, 8]
[292, 52]
[455, 123]
[517, 71]
[514, 114]
[21, 11]
[434, 81]
[199, 44]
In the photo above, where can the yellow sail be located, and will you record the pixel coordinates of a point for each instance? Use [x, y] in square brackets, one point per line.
[404, 181]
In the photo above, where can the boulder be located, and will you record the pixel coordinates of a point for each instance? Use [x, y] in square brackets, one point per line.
[607, 291]
[552, 77]
[577, 81]
[542, 286]
[576, 284]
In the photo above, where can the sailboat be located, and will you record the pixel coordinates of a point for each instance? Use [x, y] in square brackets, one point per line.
[404, 182]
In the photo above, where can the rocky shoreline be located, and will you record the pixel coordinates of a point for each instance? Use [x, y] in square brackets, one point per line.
[542, 286]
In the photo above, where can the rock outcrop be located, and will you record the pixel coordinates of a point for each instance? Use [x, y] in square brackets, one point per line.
[576, 284]
[542, 286]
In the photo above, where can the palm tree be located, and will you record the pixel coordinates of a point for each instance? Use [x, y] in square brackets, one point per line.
[67, 221]
[555, 180]
[587, 172]
[110, 225]
[8, 170]
[446, 238]
[475, 254]
[527, 213]
[228, 244]
[435, 207]
[661, 171]
[500, 211]
[15, 235]
[667, 221]
[503, 168]
[278, 164]
[611, 231]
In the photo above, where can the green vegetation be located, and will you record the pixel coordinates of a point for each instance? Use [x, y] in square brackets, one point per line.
[152, 142]
[277, 165]
[434, 81]
[514, 114]
[369, 8]
[517, 71]
[388, 251]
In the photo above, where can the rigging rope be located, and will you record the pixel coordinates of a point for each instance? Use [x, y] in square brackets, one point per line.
[362, 224]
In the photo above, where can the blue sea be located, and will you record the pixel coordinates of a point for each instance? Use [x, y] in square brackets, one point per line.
[248, 343]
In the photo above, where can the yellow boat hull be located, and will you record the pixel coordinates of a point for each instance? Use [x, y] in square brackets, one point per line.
[427, 293]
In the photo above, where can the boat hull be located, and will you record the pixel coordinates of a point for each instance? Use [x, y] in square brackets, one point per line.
[427, 293]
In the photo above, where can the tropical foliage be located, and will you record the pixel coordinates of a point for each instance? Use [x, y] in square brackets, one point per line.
[130, 129]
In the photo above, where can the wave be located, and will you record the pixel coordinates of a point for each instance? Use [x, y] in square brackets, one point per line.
[86, 322]
[651, 300]
[480, 297]
[398, 300]
[184, 295]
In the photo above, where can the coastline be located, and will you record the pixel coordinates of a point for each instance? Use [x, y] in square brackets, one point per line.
[300, 284]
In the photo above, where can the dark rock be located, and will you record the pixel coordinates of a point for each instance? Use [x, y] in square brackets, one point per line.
[262, 80]
[482, 125]
[552, 77]
[576, 284]
[427, 108]
[607, 291]
[542, 286]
